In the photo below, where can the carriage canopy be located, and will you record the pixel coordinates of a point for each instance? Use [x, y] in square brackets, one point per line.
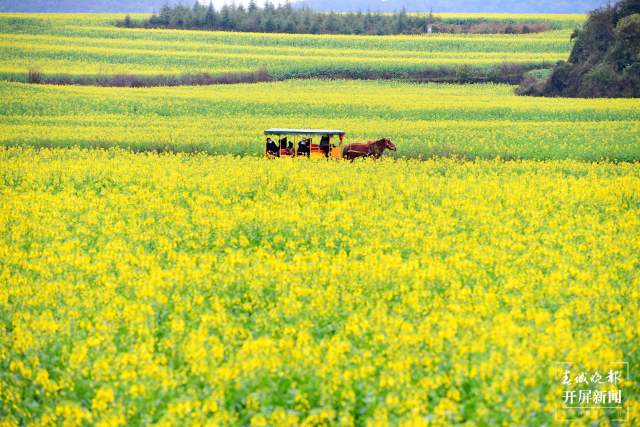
[283, 131]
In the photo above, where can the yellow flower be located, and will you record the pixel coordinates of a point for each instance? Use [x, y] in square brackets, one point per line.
[102, 400]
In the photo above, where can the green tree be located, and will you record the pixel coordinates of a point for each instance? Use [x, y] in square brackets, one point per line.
[225, 22]
[401, 22]
[605, 59]
[626, 8]
[626, 49]
[210, 16]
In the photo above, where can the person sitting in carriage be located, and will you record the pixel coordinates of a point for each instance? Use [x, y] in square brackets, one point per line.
[272, 148]
[325, 145]
[304, 147]
[286, 147]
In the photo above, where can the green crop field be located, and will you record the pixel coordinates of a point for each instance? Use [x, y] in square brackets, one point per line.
[90, 45]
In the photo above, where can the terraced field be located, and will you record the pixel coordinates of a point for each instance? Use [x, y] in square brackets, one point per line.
[90, 45]
[465, 121]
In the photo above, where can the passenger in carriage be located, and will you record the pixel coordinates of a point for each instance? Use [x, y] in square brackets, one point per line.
[304, 147]
[286, 147]
[272, 148]
[325, 145]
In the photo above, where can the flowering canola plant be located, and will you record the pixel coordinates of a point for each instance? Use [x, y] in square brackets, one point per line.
[182, 289]
[90, 44]
[424, 120]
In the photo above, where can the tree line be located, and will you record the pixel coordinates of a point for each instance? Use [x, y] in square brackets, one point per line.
[604, 62]
[284, 18]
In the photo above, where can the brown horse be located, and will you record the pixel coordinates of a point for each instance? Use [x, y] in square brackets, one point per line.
[373, 149]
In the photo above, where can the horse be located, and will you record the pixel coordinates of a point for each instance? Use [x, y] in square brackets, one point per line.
[373, 149]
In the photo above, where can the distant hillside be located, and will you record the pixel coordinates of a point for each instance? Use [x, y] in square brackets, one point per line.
[604, 62]
[523, 6]
[493, 6]
[94, 6]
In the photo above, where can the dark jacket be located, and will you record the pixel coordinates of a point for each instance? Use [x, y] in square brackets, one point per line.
[272, 148]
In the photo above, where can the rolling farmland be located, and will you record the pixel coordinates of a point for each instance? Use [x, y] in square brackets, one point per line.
[89, 45]
[466, 121]
[155, 268]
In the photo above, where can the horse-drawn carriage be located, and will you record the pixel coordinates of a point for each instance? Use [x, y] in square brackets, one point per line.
[313, 143]
[320, 144]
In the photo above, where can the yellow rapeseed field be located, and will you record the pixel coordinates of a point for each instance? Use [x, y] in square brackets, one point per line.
[459, 282]
[179, 289]
[425, 120]
[90, 44]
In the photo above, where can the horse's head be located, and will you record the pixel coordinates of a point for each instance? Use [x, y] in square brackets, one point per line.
[389, 145]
